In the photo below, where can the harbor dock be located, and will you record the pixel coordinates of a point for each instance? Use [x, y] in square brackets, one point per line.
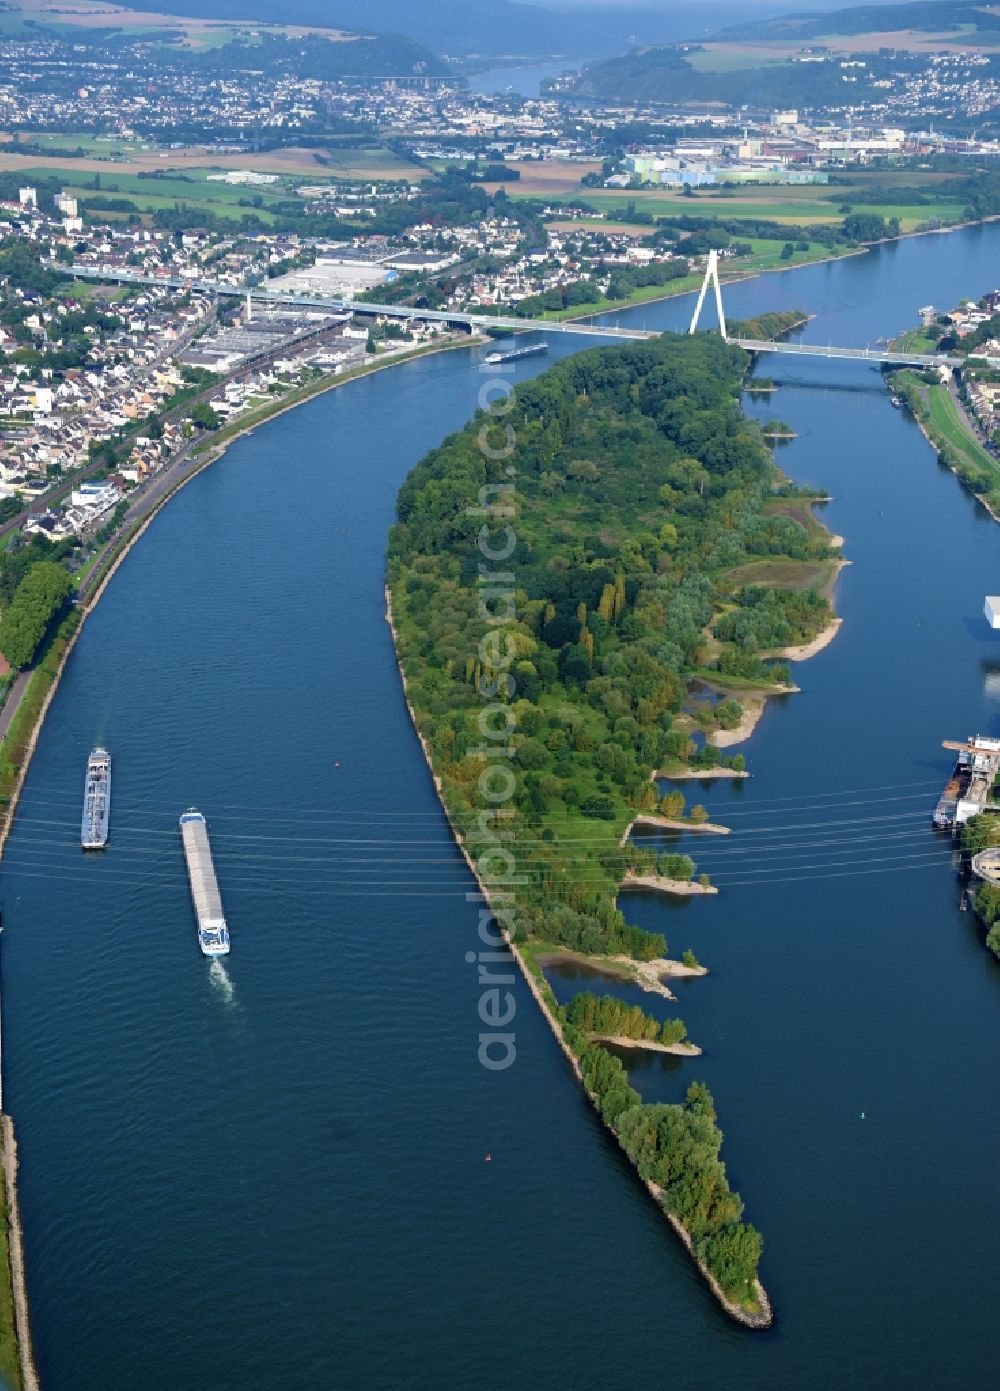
[213, 933]
[970, 789]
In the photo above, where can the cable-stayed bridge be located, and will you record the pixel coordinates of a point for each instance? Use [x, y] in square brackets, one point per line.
[756, 345]
[881, 355]
[476, 322]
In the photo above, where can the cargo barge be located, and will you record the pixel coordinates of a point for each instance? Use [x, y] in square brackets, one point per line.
[969, 790]
[213, 934]
[96, 801]
[515, 354]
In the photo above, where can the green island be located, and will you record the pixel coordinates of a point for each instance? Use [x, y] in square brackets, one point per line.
[771, 324]
[649, 539]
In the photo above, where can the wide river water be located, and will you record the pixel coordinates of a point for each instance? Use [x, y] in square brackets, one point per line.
[274, 1177]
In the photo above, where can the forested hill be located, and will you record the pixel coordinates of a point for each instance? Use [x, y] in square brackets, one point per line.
[312, 56]
[458, 28]
[640, 484]
[665, 74]
[317, 56]
[929, 15]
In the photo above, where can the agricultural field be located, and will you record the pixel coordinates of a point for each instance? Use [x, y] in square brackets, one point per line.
[157, 179]
[547, 176]
[767, 256]
[112, 147]
[723, 55]
[792, 206]
[788, 204]
[24, 16]
[335, 162]
[601, 224]
[730, 58]
[152, 194]
[374, 163]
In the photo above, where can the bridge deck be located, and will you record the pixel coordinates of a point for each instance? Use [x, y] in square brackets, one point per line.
[902, 359]
[487, 321]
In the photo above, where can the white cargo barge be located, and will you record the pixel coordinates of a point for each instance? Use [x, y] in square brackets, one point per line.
[96, 801]
[213, 934]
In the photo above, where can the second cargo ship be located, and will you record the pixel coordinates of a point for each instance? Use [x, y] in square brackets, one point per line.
[515, 354]
[213, 934]
[96, 801]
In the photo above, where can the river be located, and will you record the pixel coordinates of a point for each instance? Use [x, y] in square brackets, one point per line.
[276, 1177]
[524, 80]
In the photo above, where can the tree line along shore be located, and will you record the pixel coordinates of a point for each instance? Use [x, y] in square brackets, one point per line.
[642, 501]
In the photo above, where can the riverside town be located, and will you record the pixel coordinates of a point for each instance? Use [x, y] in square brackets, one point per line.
[512, 492]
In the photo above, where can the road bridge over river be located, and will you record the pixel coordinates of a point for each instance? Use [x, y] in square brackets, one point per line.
[482, 322]
[337, 305]
[886, 355]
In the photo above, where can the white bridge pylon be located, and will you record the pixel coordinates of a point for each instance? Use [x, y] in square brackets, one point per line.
[711, 275]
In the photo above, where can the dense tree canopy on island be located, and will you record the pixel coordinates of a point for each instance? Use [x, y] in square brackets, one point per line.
[639, 485]
[769, 325]
[562, 565]
[609, 1016]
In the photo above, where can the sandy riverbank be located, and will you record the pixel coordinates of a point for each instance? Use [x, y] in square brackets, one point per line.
[670, 823]
[683, 888]
[753, 709]
[805, 650]
[679, 1050]
[699, 774]
[647, 975]
[755, 705]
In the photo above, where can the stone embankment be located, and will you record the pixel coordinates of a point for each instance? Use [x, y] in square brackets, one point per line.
[15, 1249]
